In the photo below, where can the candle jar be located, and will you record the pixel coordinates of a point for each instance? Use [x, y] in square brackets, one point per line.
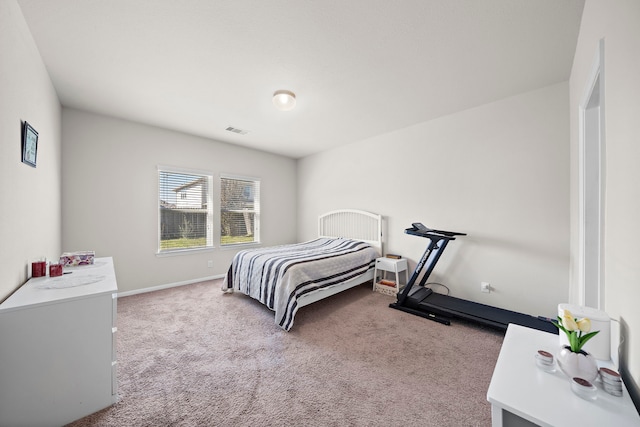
[584, 388]
[55, 270]
[38, 269]
[544, 361]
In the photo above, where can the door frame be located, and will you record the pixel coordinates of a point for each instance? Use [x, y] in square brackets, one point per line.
[593, 227]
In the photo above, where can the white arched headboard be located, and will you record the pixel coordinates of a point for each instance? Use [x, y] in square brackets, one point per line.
[352, 224]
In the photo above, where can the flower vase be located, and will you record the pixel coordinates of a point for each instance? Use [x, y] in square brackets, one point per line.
[580, 365]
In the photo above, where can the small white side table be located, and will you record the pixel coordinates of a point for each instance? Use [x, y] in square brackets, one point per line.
[392, 265]
[522, 394]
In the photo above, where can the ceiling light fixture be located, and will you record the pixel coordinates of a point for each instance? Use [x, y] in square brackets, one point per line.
[284, 100]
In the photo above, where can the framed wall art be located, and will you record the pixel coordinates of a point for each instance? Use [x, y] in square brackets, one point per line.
[29, 145]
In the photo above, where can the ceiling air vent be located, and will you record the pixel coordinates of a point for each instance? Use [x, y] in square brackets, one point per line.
[236, 130]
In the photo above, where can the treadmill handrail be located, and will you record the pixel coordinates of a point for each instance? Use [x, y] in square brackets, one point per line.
[438, 242]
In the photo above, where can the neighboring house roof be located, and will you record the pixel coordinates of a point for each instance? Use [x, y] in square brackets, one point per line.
[199, 181]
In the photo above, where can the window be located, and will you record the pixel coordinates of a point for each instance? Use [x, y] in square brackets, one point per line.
[185, 210]
[239, 210]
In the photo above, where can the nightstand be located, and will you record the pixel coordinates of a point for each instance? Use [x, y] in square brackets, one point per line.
[391, 265]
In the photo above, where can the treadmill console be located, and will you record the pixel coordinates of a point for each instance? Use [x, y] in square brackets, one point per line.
[420, 226]
[419, 229]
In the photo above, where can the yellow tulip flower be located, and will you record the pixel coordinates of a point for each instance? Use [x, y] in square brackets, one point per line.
[584, 325]
[577, 331]
[569, 322]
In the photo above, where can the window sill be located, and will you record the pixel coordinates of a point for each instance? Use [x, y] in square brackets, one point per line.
[179, 252]
[239, 245]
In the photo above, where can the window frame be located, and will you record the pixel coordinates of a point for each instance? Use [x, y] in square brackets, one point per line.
[256, 182]
[210, 225]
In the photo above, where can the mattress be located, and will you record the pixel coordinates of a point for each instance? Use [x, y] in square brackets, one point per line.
[278, 276]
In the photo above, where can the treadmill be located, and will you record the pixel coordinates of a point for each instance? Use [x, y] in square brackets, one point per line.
[422, 301]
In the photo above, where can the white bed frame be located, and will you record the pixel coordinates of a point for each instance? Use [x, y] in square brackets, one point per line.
[350, 224]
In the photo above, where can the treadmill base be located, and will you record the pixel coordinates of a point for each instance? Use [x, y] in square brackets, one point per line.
[441, 308]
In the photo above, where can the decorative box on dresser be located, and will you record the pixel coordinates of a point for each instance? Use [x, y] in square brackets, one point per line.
[58, 347]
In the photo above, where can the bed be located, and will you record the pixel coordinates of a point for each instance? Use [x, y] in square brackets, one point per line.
[288, 277]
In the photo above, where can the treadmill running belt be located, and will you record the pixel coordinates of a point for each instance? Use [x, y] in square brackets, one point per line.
[493, 316]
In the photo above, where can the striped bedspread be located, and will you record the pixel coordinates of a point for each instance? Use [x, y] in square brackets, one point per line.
[279, 275]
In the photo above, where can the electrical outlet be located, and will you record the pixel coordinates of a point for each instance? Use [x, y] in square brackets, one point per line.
[210, 264]
[485, 287]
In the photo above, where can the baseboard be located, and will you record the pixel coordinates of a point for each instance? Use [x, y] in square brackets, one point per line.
[168, 285]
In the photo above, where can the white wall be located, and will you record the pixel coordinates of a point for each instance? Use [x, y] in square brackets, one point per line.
[498, 172]
[30, 211]
[110, 197]
[618, 22]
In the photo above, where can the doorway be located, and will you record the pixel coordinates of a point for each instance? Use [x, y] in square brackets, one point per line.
[591, 153]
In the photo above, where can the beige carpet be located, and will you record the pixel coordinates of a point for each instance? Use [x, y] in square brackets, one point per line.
[192, 356]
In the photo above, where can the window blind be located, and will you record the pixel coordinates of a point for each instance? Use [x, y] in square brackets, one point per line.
[239, 210]
[185, 211]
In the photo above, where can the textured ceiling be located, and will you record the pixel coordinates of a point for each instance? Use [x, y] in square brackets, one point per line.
[360, 68]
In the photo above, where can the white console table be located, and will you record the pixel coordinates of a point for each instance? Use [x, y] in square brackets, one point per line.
[57, 347]
[522, 394]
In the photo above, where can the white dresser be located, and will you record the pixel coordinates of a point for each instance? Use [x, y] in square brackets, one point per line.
[58, 347]
[521, 394]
